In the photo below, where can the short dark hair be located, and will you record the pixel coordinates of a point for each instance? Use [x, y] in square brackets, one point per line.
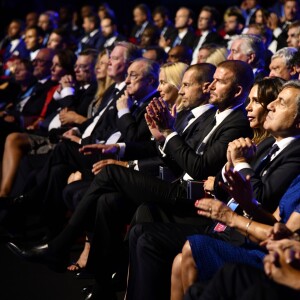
[93, 18]
[243, 74]
[37, 29]
[161, 10]
[204, 72]
[92, 53]
[213, 11]
[67, 59]
[144, 9]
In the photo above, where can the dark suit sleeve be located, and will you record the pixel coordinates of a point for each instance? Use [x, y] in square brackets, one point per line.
[269, 188]
[214, 156]
[133, 129]
[140, 150]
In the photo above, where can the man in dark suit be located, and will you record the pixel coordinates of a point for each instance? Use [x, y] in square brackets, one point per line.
[110, 33]
[283, 165]
[93, 37]
[207, 22]
[146, 246]
[117, 191]
[142, 20]
[13, 44]
[185, 35]
[161, 19]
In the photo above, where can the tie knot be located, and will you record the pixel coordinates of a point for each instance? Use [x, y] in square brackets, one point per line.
[273, 150]
[190, 116]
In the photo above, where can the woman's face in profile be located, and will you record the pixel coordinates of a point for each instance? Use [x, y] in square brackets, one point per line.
[256, 113]
[167, 91]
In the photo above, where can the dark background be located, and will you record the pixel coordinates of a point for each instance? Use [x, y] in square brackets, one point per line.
[10, 9]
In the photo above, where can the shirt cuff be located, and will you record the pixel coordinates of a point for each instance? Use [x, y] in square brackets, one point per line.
[122, 149]
[136, 167]
[67, 91]
[223, 172]
[241, 166]
[167, 139]
[122, 112]
[57, 96]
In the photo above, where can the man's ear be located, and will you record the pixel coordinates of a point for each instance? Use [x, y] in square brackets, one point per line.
[239, 91]
[40, 40]
[293, 71]
[251, 58]
[205, 87]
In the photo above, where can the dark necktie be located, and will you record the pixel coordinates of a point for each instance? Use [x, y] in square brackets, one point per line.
[186, 121]
[264, 162]
[134, 108]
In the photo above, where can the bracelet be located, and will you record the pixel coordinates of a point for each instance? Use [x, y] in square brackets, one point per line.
[247, 227]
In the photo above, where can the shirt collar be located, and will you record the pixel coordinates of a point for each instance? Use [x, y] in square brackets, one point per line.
[199, 110]
[220, 116]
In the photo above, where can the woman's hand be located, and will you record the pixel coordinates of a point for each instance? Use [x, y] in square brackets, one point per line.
[215, 210]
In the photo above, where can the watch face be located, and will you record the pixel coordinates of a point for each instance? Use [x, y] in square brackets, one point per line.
[131, 164]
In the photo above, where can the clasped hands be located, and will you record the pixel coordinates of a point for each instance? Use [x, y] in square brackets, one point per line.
[282, 264]
[240, 150]
[159, 119]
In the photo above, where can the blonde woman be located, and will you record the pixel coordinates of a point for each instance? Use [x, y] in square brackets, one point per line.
[170, 78]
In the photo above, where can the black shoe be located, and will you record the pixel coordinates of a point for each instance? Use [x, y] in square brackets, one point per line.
[84, 274]
[95, 292]
[40, 254]
[87, 290]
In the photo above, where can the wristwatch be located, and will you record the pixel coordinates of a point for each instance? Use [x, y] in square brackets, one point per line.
[131, 164]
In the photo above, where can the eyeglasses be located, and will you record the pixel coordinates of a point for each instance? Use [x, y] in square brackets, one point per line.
[81, 67]
[132, 76]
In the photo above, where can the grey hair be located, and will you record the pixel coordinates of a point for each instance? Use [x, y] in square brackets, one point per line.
[296, 85]
[151, 69]
[287, 53]
[253, 45]
[132, 51]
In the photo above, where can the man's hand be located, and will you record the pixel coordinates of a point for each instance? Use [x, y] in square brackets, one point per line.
[98, 166]
[163, 43]
[124, 102]
[72, 135]
[241, 150]
[240, 190]
[100, 149]
[158, 111]
[153, 129]
[209, 184]
[66, 81]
